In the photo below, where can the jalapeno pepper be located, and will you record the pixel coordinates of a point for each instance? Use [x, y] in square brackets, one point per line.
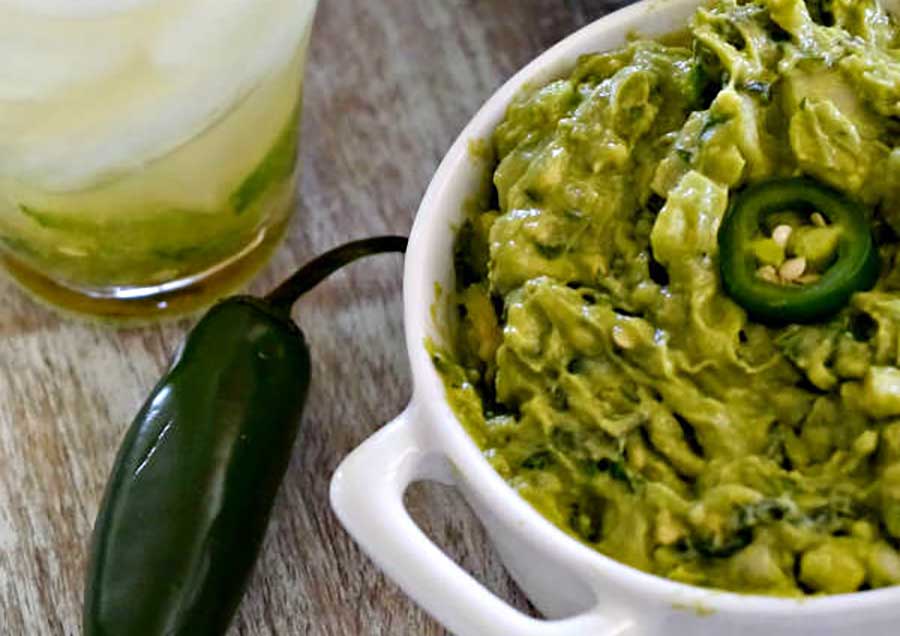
[854, 268]
[189, 498]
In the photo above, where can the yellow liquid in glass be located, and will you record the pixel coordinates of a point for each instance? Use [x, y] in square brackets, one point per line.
[172, 232]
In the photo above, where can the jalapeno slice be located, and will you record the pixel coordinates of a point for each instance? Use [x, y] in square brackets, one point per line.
[855, 266]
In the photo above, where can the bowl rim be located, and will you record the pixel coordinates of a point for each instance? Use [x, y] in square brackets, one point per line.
[430, 228]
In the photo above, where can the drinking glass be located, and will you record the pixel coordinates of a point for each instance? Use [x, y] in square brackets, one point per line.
[148, 148]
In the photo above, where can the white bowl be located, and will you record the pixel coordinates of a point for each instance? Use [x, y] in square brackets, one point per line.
[582, 591]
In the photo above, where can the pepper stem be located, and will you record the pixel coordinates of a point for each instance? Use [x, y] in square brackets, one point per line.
[314, 272]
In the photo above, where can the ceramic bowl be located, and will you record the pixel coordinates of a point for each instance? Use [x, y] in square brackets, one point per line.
[581, 592]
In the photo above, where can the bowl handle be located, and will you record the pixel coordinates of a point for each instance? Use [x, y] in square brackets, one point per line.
[367, 495]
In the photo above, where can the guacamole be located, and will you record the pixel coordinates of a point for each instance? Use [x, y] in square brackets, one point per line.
[594, 354]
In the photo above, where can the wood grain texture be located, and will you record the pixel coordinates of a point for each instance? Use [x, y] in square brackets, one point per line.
[390, 84]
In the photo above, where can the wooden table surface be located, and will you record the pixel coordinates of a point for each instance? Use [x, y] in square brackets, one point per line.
[390, 84]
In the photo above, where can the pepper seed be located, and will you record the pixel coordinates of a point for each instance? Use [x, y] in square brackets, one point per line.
[817, 219]
[792, 269]
[782, 234]
[767, 273]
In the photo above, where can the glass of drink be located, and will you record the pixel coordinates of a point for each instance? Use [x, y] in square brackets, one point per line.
[148, 148]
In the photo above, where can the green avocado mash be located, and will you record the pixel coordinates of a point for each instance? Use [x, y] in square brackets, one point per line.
[594, 355]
